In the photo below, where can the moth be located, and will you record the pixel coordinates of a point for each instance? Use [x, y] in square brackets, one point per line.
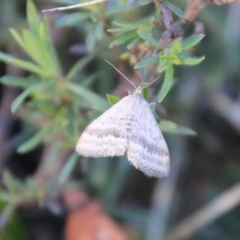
[128, 127]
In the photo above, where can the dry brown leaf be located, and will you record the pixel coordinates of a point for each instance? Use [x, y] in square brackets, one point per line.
[87, 221]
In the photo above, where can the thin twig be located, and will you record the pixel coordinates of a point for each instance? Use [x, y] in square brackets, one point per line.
[210, 212]
[73, 6]
[220, 2]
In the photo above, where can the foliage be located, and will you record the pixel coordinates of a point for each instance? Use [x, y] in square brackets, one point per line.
[53, 102]
[51, 93]
[51, 99]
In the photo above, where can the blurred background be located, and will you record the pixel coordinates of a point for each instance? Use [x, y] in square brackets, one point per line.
[48, 193]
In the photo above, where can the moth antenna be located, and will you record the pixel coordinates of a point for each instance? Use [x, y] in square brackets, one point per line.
[121, 73]
[150, 83]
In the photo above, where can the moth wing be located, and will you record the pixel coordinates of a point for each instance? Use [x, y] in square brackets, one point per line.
[106, 135]
[148, 150]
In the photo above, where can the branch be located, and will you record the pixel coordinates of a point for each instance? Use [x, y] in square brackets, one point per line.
[220, 2]
[72, 6]
[207, 214]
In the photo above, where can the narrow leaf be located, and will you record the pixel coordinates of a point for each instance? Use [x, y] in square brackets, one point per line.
[71, 18]
[22, 64]
[78, 66]
[32, 17]
[147, 61]
[32, 47]
[122, 30]
[99, 28]
[96, 101]
[49, 50]
[127, 24]
[112, 99]
[17, 37]
[183, 131]
[167, 125]
[191, 41]
[168, 81]
[34, 141]
[171, 127]
[123, 39]
[191, 60]
[174, 59]
[87, 81]
[145, 93]
[18, 101]
[132, 43]
[162, 65]
[68, 168]
[37, 49]
[16, 81]
[90, 40]
[176, 10]
[43, 36]
[149, 39]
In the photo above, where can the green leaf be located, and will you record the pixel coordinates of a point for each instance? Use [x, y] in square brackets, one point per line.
[145, 93]
[16, 81]
[87, 81]
[174, 59]
[130, 25]
[163, 66]
[32, 17]
[147, 61]
[112, 99]
[123, 39]
[17, 37]
[119, 30]
[90, 40]
[132, 43]
[167, 125]
[171, 127]
[176, 10]
[32, 47]
[71, 18]
[44, 36]
[37, 50]
[191, 60]
[168, 81]
[68, 168]
[149, 39]
[184, 131]
[176, 46]
[191, 41]
[96, 101]
[22, 64]
[18, 101]
[54, 69]
[35, 140]
[78, 66]
[99, 29]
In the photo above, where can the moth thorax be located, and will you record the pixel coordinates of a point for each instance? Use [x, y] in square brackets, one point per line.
[138, 91]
